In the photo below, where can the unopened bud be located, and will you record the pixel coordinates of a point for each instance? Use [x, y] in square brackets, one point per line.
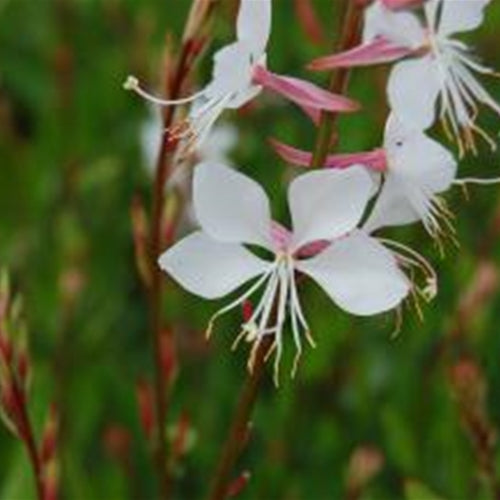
[145, 402]
[468, 383]
[51, 481]
[237, 485]
[197, 17]
[5, 349]
[140, 236]
[168, 356]
[4, 292]
[365, 463]
[49, 438]
[23, 367]
[117, 440]
[309, 21]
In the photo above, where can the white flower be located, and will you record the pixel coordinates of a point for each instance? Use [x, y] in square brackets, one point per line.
[445, 71]
[436, 73]
[417, 170]
[357, 272]
[239, 75]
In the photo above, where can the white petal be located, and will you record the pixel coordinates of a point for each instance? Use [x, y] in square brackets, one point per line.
[393, 206]
[232, 72]
[230, 206]
[402, 28]
[254, 24]
[209, 268]
[327, 203]
[417, 158]
[359, 274]
[418, 168]
[461, 15]
[413, 89]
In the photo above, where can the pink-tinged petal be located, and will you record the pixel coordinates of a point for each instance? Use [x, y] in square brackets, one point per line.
[380, 50]
[280, 236]
[290, 154]
[375, 160]
[312, 249]
[401, 4]
[303, 93]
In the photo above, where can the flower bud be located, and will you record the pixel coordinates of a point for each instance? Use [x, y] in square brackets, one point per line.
[23, 367]
[140, 231]
[145, 402]
[5, 349]
[365, 463]
[238, 484]
[49, 437]
[198, 15]
[168, 356]
[117, 441]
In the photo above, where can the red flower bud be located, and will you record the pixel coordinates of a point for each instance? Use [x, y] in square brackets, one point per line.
[238, 484]
[117, 440]
[168, 355]
[5, 349]
[23, 367]
[145, 402]
[49, 438]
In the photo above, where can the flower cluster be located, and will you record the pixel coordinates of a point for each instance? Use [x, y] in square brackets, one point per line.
[336, 212]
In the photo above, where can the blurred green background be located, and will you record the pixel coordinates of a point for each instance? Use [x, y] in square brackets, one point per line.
[368, 415]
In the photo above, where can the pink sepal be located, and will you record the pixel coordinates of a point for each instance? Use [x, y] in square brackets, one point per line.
[378, 51]
[375, 159]
[401, 4]
[305, 94]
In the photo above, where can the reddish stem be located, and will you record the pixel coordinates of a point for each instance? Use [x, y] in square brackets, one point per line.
[340, 78]
[25, 430]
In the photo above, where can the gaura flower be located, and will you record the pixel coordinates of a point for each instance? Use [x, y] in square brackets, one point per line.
[436, 72]
[356, 271]
[240, 74]
[413, 170]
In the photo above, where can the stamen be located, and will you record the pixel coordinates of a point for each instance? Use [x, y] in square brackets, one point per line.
[132, 83]
[237, 302]
[476, 180]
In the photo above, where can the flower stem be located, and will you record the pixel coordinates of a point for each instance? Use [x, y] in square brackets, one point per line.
[156, 291]
[237, 433]
[340, 78]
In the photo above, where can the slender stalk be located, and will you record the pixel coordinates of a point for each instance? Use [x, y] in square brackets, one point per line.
[237, 433]
[340, 78]
[163, 168]
[26, 434]
[233, 446]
